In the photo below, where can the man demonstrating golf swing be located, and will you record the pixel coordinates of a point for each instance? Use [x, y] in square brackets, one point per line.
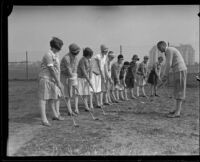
[175, 61]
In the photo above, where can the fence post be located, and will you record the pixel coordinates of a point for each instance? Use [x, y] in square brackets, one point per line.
[26, 65]
[120, 49]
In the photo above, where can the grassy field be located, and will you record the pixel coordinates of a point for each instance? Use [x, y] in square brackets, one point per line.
[137, 129]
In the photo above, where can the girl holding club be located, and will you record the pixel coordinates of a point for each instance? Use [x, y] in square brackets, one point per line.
[175, 61]
[115, 72]
[122, 77]
[49, 82]
[68, 77]
[109, 81]
[154, 76]
[142, 73]
[83, 71]
[131, 75]
[98, 75]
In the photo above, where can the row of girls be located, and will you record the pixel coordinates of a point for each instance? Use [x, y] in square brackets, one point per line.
[92, 77]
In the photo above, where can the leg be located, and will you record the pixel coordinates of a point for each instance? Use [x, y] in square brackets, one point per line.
[57, 105]
[109, 98]
[42, 106]
[117, 94]
[52, 105]
[143, 91]
[178, 106]
[69, 105]
[76, 104]
[91, 100]
[125, 94]
[113, 96]
[106, 97]
[138, 91]
[85, 99]
[121, 94]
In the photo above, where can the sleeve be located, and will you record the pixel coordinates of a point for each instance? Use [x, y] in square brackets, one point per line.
[168, 63]
[48, 60]
[83, 64]
[65, 66]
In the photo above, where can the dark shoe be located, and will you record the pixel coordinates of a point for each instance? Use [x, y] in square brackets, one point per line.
[47, 124]
[76, 112]
[106, 103]
[87, 110]
[72, 114]
[157, 95]
[172, 112]
[58, 118]
[173, 116]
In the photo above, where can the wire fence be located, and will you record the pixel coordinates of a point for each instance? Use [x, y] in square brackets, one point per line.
[29, 70]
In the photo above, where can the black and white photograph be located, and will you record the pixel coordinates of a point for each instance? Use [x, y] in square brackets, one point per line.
[89, 80]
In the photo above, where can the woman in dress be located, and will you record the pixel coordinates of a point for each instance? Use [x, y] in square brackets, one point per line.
[122, 78]
[84, 80]
[141, 78]
[109, 81]
[49, 82]
[154, 76]
[68, 76]
[131, 75]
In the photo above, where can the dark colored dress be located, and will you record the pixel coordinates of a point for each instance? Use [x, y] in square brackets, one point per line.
[130, 77]
[153, 77]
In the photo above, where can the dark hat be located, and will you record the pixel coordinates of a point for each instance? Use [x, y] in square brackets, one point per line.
[74, 48]
[135, 57]
[146, 57]
[126, 63]
[120, 57]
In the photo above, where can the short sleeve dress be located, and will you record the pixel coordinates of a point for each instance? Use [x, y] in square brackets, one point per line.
[47, 88]
[83, 68]
[131, 75]
[68, 63]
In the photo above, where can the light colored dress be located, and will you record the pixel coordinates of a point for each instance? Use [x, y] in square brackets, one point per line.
[47, 88]
[83, 68]
[68, 65]
[115, 72]
[98, 84]
[108, 65]
[141, 74]
[175, 61]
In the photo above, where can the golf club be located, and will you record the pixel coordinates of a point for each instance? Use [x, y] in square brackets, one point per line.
[75, 125]
[83, 102]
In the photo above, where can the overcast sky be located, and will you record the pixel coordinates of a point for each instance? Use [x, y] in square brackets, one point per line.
[136, 28]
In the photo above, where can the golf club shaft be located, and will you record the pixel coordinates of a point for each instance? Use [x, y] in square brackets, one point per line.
[66, 105]
[83, 102]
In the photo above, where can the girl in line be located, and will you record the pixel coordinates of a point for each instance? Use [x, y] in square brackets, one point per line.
[154, 76]
[109, 81]
[122, 77]
[49, 82]
[131, 75]
[68, 68]
[83, 71]
[142, 73]
[98, 75]
[115, 72]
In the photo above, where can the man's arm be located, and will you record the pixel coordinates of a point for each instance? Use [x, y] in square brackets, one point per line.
[168, 63]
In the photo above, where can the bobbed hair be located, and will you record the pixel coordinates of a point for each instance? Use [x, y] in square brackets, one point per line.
[87, 52]
[56, 43]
